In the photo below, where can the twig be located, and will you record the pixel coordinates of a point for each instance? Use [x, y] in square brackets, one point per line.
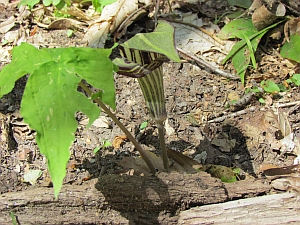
[122, 127]
[196, 27]
[156, 11]
[277, 105]
[242, 102]
[208, 65]
[222, 118]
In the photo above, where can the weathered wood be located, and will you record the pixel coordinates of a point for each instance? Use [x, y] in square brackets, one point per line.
[269, 209]
[123, 199]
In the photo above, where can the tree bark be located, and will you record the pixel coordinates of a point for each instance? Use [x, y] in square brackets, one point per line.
[269, 209]
[122, 199]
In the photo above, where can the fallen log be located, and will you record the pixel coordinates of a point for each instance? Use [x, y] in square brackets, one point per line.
[270, 209]
[123, 199]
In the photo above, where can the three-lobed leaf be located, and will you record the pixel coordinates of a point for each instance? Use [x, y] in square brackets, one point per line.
[51, 99]
[161, 41]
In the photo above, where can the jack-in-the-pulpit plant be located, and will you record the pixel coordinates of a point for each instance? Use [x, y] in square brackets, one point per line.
[146, 66]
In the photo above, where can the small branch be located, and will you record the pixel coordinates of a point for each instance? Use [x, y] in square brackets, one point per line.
[196, 27]
[156, 11]
[208, 65]
[122, 127]
[277, 105]
[222, 118]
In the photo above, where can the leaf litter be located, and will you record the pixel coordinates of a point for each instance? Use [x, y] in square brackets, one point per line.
[204, 93]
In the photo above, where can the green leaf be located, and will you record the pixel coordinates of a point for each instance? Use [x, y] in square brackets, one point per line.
[161, 41]
[241, 54]
[70, 33]
[51, 99]
[228, 179]
[29, 3]
[96, 149]
[242, 45]
[14, 219]
[282, 88]
[238, 28]
[96, 5]
[100, 4]
[296, 79]
[59, 3]
[241, 3]
[251, 51]
[270, 87]
[49, 104]
[241, 62]
[96, 68]
[106, 144]
[291, 49]
[261, 100]
[143, 125]
[23, 61]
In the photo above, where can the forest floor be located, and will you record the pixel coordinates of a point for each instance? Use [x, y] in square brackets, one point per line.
[194, 96]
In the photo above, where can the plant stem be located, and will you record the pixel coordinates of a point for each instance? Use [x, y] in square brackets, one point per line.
[122, 127]
[161, 134]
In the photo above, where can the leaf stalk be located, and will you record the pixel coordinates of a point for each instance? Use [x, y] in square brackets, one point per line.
[122, 127]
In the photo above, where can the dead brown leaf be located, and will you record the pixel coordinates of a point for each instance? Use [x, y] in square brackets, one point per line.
[119, 141]
[112, 16]
[287, 184]
[272, 170]
[66, 23]
[291, 27]
[190, 165]
[265, 16]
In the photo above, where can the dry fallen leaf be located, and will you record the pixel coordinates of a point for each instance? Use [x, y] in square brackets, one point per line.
[66, 23]
[189, 164]
[6, 25]
[272, 170]
[111, 18]
[265, 16]
[291, 27]
[137, 166]
[287, 184]
[119, 141]
[128, 163]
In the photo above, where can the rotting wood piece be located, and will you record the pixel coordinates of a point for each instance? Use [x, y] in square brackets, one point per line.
[269, 209]
[123, 199]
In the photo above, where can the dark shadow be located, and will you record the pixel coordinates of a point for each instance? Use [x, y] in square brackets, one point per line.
[139, 199]
[236, 156]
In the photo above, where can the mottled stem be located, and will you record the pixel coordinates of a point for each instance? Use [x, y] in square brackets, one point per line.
[161, 134]
[122, 127]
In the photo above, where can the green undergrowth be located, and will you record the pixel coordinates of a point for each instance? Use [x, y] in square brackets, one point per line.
[242, 53]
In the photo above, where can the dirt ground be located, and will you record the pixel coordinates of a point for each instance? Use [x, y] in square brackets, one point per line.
[194, 96]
